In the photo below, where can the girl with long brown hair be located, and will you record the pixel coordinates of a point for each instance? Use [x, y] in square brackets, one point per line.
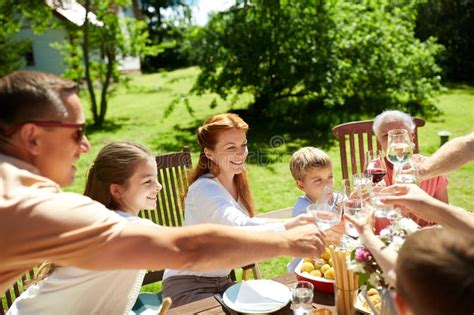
[219, 193]
[123, 178]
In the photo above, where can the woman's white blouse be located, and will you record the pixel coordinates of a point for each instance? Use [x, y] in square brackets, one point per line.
[207, 201]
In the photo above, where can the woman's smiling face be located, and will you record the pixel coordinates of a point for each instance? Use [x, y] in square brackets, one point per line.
[230, 151]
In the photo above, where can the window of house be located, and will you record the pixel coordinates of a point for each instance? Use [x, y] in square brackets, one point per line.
[30, 56]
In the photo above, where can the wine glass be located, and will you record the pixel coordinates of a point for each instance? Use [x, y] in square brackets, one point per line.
[399, 147]
[385, 214]
[328, 213]
[375, 165]
[406, 173]
[301, 296]
[354, 205]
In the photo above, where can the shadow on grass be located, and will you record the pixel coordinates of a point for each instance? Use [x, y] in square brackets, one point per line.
[176, 139]
[110, 125]
[455, 87]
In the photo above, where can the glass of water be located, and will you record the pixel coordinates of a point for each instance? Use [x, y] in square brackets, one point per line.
[354, 204]
[302, 297]
[326, 215]
[384, 214]
[406, 173]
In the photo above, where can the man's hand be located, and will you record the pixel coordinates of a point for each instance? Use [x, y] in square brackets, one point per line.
[306, 241]
[363, 225]
[410, 197]
[301, 219]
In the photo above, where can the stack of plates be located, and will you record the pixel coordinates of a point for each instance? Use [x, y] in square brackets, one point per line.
[257, 296]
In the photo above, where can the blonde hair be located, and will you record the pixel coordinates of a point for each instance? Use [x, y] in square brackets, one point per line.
[435, 272]
[207, 136]
[307, 158]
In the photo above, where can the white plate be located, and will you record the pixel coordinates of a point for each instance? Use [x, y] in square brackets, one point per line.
[257, 296]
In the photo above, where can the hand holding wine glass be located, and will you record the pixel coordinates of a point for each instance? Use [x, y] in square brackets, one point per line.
[327, 213]
[354, 205]
[406, 173]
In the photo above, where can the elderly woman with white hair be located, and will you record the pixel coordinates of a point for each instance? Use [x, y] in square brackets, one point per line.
[394, 119]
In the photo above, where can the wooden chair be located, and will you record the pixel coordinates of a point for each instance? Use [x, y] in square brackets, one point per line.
[173, 176]
[11, 294]
[347, 134]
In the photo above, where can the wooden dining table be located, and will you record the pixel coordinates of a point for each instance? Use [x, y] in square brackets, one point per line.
[320, 300]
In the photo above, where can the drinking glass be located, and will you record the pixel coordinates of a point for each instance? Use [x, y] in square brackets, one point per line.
[384, 214]
[375, 165]
[353, 204]
[326, 215]
[301, 297]
[399, 147]
[406, 173]
[362, 184]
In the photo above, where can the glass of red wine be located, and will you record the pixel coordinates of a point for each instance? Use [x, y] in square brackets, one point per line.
[375, 166]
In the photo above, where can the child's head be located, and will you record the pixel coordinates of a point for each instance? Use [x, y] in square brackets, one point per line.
[124, 177]
[312, 170]
[435, 273]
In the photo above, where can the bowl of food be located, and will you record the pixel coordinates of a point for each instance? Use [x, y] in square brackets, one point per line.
[319, 272]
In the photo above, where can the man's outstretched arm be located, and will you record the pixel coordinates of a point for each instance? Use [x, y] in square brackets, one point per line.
[202, 247]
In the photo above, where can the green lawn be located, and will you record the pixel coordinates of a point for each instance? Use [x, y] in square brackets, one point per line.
[136, 114]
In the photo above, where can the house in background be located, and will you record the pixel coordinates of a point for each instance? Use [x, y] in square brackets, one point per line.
[43, 57]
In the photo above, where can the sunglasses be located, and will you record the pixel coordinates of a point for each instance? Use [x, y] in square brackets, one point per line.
[78, 136]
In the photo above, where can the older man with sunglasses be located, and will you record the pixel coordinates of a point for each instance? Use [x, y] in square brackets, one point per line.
[41, 137]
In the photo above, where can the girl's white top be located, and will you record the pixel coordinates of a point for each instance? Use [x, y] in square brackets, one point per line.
[70, 290]
[207, 201]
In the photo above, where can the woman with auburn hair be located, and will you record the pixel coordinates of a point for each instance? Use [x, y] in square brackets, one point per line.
[219, 193]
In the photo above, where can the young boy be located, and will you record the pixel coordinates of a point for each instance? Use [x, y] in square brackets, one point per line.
[312, 170]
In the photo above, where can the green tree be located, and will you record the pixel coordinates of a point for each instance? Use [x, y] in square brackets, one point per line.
[167, 31]
[14, 14]
[92, 51]
[360, 56]
[102, 44]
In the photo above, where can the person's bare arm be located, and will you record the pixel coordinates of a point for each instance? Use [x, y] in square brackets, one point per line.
[202, 247]
[386, 257]
[423, 205]
[293, 222]
[450, 157]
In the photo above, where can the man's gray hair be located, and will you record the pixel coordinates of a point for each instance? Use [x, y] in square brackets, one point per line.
[393, 115]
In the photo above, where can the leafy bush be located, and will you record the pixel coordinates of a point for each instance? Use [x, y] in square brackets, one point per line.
[350, 56]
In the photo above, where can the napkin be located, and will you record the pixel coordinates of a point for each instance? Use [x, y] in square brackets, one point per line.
[261, 295]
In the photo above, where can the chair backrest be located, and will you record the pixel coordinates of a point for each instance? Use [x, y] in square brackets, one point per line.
[173, 176]
[357, 137]
[11, 294]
